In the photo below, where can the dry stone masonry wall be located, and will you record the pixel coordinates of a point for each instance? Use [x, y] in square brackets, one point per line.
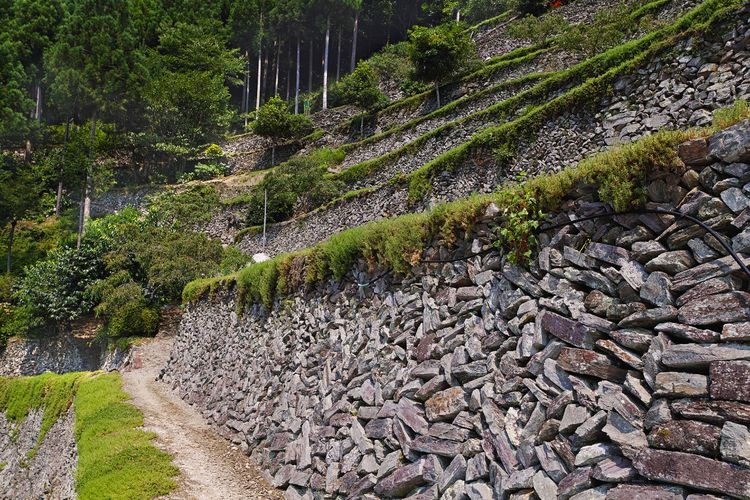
[48, 473]
[616, 365]
[60, 354]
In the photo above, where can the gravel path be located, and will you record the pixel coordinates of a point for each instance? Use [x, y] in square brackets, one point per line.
[211, 467]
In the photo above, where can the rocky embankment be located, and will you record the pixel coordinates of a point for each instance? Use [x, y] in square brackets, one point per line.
[30, 469]
[60, 354]
[616, 365]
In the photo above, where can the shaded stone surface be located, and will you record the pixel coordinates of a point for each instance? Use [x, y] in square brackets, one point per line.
[730, 380]
[694, 471]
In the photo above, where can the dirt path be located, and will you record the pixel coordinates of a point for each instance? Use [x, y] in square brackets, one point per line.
[211, 467]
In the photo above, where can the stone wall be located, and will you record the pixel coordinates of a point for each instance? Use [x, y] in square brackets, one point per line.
[50, 472]
[616, 365]
[59, 354]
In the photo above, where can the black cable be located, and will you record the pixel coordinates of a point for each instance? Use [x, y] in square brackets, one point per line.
[584, 219]
[660, 211]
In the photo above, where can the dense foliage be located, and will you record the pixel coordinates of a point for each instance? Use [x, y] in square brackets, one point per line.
[275, 120]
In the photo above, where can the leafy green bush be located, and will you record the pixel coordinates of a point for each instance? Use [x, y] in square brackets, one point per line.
[183, 207]
[439, 52]
[300, 182]
[607, 29]
[213, 151]
[204, 172]
[275, 120]
[233, 260]
[359, 88]
[56, 288]
[393, 62]
[123, 305]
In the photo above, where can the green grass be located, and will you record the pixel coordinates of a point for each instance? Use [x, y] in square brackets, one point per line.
[52, 393]
[116, 459]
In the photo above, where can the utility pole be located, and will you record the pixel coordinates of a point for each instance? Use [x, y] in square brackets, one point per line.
[265, 216]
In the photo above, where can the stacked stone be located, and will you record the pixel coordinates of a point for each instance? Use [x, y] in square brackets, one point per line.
[617, 365]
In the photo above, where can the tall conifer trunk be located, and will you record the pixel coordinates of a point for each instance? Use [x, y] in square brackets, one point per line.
[325, 64]
[338, 57]
[355, 32]
[296, 86]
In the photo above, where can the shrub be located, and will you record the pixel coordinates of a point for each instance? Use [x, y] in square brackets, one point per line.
[393, 62]
[300, 182]
[233, 260]
[163, 261]
[182, 208]
[439, 52]
[608, 28]
[213, 151]
[123, 305]
[55, 288]
[275, 120]
[204, 172]
[359, 88]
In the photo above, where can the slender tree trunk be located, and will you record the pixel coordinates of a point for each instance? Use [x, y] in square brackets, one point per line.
[355, 32]
[86, 206]
[310, 68]
[267, 65]
[458, 15]
[58, 200]
[437, 92]
[246, 88]
[38, 108]
[278, 62]
[338, 57]
[9, 257]
[325, 64]
[257, 92]
[296, 86]
[288, 72]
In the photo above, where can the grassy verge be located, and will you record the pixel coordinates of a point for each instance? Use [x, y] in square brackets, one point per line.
[116, 459]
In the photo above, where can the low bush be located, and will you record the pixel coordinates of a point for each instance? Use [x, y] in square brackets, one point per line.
[360, 88]
[300, 183]
[123, 306]
[205, 172]
[182, 208]
[275, 120]
[538, 29]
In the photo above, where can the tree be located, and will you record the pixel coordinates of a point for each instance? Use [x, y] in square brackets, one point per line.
[357, 6]
[188, 97]
[19, 197]
[96, 71]
[14, 100]
[35, 24]
[438, 53]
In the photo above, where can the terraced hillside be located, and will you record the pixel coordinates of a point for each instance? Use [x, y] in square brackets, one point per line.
[530, 120]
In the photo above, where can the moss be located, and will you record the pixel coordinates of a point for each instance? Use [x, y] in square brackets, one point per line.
[116, 458]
